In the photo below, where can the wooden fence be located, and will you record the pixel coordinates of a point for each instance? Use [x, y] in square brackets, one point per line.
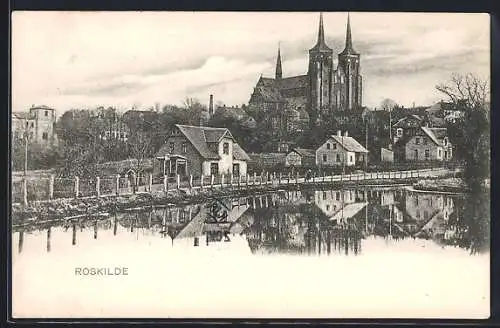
[44, 189]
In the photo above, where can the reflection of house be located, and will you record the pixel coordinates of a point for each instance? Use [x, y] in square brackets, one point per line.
[300, 157]
[341, 150]
[201, 151]
[38, 123]
[429, 144]
[423, 206]
[340, 205]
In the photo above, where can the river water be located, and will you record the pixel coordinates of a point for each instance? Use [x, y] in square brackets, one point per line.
[350, 253]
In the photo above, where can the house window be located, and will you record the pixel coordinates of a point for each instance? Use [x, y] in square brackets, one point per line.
[324, 195]
[350, 159]
[225, 148]
[426, 215]
[417, 141]
[236, 169]
[327, 207]
[416, 154]
[27, 124]
[337, 195]
[399, 132]
[439, 152]
[427, 154]
[338, 157]
[325, 158]
[335, 146]
[418, 214]
[184, 147]
[327, 146]
[424, 141]
[46, 113]
[214, 169]
[172, 147]
[445, 141]
[45, 136]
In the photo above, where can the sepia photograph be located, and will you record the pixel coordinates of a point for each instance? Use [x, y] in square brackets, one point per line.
[250, 165]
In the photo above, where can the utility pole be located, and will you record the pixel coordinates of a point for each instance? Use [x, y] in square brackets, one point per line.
[25, 182]
[366, 144]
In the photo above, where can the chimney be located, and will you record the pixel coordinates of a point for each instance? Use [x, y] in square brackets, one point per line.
[211, 105]
[339, 133]
[346, 134]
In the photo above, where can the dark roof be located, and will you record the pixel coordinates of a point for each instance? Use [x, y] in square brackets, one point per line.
[293, 82]
[201, 136]
[407, 117]
[436, 134]
[350, 144]
[305, 152]
[239, 153]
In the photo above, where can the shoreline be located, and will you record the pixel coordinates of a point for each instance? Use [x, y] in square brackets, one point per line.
[79, 207]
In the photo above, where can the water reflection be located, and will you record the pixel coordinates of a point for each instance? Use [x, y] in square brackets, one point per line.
[319, 222]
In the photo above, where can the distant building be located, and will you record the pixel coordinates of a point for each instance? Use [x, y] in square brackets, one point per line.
[428, 144]
[301, 157]
[341, 150]
[197, 151]
[39, 124]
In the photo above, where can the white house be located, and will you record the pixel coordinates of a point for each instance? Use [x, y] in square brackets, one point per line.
[341, 150]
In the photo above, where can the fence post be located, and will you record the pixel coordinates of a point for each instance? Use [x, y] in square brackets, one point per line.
[231, 180]
[248, 178]
[201, 182]
[260, 178]
[222, 180]
[117, 186]
[279, 179]
[77, 182]
[288, 182]
[211, 181]
[150, 182]
[297, 178]
[178, 181]
[98, 186]
[239, 181]
[165, 184]
[51, 186]
[254, 178]
[190, 182]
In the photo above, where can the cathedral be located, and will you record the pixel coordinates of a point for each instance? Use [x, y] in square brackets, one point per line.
[325, 91]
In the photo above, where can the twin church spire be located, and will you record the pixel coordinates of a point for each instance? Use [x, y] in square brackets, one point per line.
[321, 45]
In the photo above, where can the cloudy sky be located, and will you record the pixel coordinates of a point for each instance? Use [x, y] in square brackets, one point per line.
[74, 59]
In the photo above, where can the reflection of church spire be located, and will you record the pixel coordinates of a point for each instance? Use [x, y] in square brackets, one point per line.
[279, 72]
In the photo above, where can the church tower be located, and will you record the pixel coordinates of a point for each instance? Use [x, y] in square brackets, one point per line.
[349, 66]
[320, 75]
[279, 73]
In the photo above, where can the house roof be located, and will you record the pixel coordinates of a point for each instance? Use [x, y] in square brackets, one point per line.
[348, 211]
[201, 136]
[239, 154]
[407, 117]
[434, 108]
[435, 134]
[304, 152]
[350, 144]
[20, 115]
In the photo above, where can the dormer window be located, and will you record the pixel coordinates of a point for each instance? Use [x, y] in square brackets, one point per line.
[225, 148]
[184, 147]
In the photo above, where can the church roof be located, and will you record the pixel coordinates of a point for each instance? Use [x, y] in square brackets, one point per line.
[293, 82]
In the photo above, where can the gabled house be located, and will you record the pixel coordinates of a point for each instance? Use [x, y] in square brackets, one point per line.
[428, 144]
[339, 150]
[197, 151]
[301, 157]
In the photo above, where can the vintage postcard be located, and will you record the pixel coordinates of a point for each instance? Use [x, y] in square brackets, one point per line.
[250, 165]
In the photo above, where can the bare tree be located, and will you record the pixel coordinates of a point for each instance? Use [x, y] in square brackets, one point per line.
[388, 105]
[470, 94]
[467, 90]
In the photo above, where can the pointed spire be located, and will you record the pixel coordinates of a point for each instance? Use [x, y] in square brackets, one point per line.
[321, 31]
[321, 43]
[279, 72]
[348, 39]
